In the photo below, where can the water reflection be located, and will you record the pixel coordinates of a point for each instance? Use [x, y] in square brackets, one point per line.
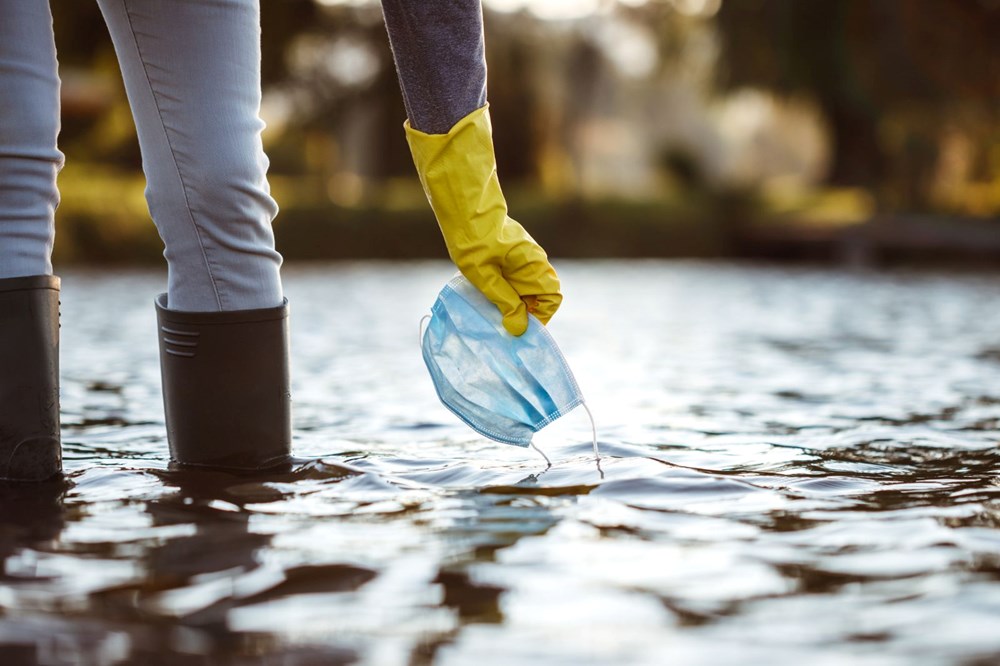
[30, 517]
[798, 466]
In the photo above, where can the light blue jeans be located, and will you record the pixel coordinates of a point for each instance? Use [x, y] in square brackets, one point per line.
[192, 75]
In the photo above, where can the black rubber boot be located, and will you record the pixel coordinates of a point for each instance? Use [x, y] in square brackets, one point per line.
[29, 378]
[226, 386]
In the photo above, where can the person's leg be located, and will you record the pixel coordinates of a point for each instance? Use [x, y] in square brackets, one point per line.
[192, 74]
[29, 293]
[440, 59]
[29, 125]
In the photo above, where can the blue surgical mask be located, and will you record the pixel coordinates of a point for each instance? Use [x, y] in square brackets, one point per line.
[504, 387]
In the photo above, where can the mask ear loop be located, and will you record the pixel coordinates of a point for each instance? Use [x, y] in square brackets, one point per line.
[593, 429]
[420, 341]
[548, 463]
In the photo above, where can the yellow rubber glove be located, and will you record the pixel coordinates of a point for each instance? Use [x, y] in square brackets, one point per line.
[459, 173]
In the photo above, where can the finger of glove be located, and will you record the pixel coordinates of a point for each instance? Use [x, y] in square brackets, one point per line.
[489, 279]
[546, 306]
[527, 269]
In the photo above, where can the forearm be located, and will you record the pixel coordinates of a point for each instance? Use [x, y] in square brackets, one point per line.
[440, 59]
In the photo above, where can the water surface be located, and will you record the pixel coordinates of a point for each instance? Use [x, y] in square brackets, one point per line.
[801, 467]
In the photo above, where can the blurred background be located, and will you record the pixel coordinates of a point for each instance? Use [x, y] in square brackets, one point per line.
[830, 130]
[801, 461]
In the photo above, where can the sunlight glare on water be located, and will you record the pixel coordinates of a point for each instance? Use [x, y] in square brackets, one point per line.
[801, 467]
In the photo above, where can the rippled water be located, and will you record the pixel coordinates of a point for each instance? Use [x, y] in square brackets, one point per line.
[801, 467]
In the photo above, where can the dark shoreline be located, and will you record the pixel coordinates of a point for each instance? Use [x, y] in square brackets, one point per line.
[584, 230]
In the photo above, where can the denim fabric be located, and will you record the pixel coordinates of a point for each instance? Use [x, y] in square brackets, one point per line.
[29, 123]
[191, 70]
[192, 75]
[440, 59]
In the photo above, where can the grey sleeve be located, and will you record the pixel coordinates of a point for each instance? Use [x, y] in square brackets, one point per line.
[440, 59]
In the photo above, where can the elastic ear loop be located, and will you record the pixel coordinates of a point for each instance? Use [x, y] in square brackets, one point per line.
[548, 463]
[420, 341]
[593, 431]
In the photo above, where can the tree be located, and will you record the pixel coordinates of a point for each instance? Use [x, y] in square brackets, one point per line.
[886, 74]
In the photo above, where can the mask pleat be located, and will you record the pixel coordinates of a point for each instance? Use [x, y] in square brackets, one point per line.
[488, 424]
[504, 387]
[485, 364]
[472, 375]
[481, 324]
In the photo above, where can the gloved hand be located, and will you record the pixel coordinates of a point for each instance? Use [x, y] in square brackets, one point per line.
[459, 174]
